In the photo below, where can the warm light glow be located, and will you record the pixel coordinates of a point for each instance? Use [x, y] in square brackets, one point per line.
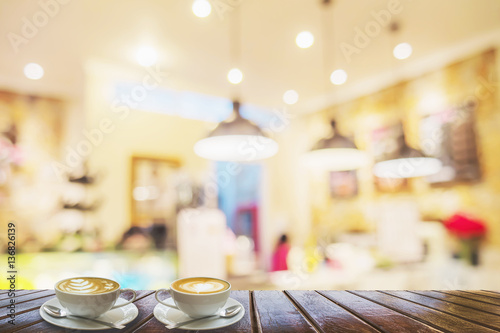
[432, 101]
[407, 167]
[235, 76]
[336, 159]
[236, 148]
[338, 77]
[33, 71]
[146, 56]
[140, 193]
[402, 51]
[290, 97]
[201, 8]
[304, 39]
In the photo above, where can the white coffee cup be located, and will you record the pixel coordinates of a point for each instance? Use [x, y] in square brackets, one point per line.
[196, 305]
[91, 305]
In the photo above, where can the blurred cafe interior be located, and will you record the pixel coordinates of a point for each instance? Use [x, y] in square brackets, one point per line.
[280, 144]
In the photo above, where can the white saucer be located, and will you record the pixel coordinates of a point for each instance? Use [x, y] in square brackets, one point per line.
[167, 315]
[123, 315]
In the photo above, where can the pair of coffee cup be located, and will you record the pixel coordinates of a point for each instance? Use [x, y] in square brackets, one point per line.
[91, 296]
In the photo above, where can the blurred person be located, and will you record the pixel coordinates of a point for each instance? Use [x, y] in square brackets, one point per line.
[280, 254]
[136, 239]
[158, 232]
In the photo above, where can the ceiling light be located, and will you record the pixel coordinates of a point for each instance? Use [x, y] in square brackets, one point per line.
[407, 162]
[338, 77]
[236, 139]
[402, 51]
[146, 56]
[33, 71]
[335, 153]
[407, 167]
[201, 8]
[304, 39]
[235, 76]
[290, 97]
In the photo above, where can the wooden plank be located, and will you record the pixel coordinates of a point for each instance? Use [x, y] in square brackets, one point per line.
[28, 306]
[460, 301]
[477, 316]
[492, 291]
[26, 318]
[431, 317]
[276, 313]
[5, 291]
[327, 315]
[18, 293]
[383, 318]
[483, 293]
[148, 322]
[32, 321]
[480, 298]
[27, 298]
[244, 325]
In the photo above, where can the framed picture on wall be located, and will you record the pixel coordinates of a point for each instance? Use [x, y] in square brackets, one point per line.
[450, 136]
[385, 142]
[152, 190]
[343, 184]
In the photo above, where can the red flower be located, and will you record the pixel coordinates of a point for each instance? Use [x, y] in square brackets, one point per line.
[465, 227]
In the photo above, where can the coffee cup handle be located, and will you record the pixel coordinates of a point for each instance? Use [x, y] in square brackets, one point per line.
[169, 305]
[128, 302]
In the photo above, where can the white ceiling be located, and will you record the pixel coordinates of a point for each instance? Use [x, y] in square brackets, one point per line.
[197, 52]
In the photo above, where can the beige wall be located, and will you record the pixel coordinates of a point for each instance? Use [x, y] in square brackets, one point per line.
[140, 132]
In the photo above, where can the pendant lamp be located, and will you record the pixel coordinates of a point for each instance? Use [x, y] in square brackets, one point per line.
[236, 139]
[407, 162]
[335, 153]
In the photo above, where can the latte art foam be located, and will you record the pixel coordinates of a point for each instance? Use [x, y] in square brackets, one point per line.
[200, 285]
[87, 285]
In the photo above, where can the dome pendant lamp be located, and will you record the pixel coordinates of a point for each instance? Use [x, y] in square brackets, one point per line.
[335, 153]
[407, 162]
[236, 139]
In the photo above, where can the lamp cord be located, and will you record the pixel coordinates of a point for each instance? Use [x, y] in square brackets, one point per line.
[235, 46]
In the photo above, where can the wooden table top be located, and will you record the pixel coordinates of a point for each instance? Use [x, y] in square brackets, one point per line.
[307, 311]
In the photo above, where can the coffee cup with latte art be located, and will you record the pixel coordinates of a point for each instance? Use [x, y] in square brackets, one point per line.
[197, 296]
[90, 296]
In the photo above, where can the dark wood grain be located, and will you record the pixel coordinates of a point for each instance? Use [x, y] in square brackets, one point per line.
[28, 306]
[431, 317]
[477, 316]
[25, 318]
[490, 308]
[276, 313]
[244, 325]
[492, 291]
[32, 321]
[483, 293]
[27, 298]
[149, 323]
[383, 318]
[450, 311]
[476, 297]
[17, 294]
[326, 315]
